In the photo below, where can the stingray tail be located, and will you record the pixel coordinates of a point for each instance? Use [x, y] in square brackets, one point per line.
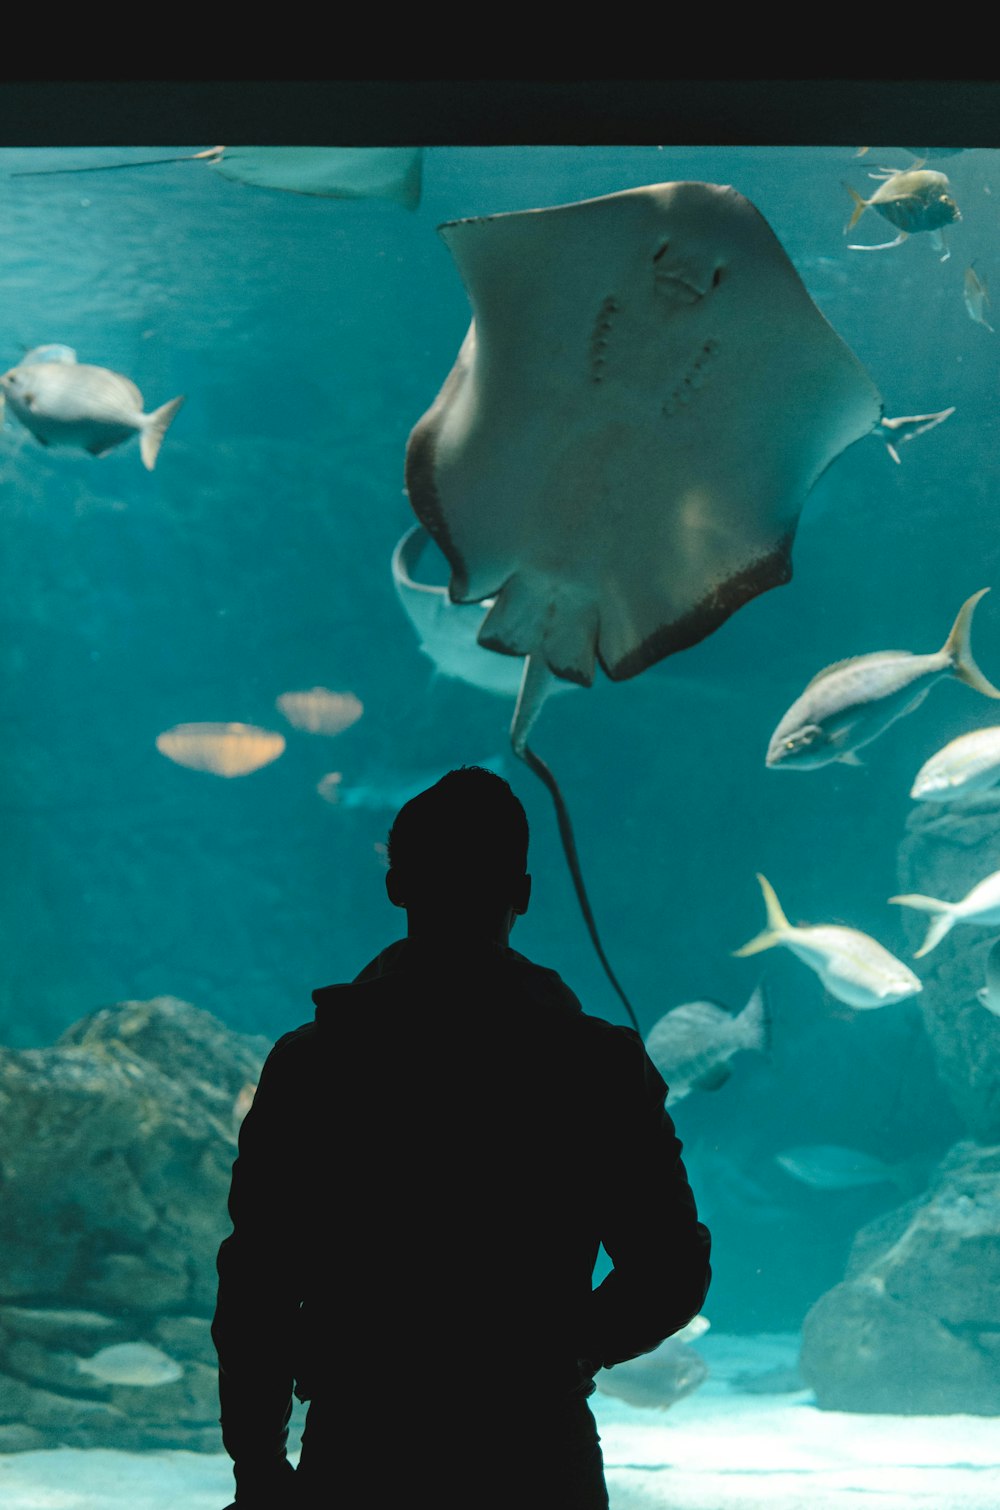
[544, 775]
[154, 429]
[958, 648]
[947, 916]
[212, 153]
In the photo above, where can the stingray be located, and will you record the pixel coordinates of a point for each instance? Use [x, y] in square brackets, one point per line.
[620, 453]
[330, 172]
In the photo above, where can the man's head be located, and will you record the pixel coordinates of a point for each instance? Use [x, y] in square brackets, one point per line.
[458, 854]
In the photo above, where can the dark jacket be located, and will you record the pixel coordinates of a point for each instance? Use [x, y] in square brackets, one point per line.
[422, 1185]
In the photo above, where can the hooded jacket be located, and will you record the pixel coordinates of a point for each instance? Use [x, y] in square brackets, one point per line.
[422, 1185]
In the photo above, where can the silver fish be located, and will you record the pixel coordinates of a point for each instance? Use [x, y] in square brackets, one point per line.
[915, 199]
[977, 298]
[136, 1363]
[961, 768]
[981, 905]
[849, 703]
[853, 967]
[73, 404]
[829, 1166]
[655, 1380]
[989, 994]
[693, 1045]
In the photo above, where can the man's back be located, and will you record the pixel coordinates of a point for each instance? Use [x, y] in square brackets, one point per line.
[441, 1154]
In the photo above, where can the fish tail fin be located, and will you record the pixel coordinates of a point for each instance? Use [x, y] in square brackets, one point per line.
[776, 919]
[154, 429]
[940, 925]
[860, 206]
[958, 648]
[755, 1020]
[777, 924]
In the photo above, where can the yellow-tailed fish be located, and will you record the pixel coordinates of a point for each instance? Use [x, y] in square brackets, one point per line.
[849, 703]
[853, 967]
[981, 905]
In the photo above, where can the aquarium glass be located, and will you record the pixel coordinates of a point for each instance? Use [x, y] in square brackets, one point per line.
[215, 699]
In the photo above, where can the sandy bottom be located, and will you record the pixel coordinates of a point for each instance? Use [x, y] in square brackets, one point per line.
[719, 1449]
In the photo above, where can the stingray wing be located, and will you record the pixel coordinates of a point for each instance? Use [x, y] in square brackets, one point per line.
[331, 172]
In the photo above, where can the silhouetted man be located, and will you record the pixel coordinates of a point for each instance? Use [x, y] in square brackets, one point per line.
[422, 1186]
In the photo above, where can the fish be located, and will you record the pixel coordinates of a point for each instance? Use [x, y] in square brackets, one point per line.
[231, 749]
[695, 1328]
[693, 1045]
[830, 1166]
[962, 768]
[136, 1363]
[320, 711]
[618, 458]
[851, 702]
[980, 906]
[895, 432]
[914, 199]
[989, 995]
[394, 173]
[91, 408]
[656, 1380]
[977, 298]
[853, 967]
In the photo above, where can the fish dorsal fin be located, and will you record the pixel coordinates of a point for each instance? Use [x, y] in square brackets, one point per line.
[852, 660]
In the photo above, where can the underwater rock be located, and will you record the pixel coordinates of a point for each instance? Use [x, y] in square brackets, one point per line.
[944, 853]
[116, 1147]
[913, 1327]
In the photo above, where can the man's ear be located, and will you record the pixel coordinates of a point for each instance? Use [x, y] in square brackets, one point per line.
[393, 889]
[521, 895]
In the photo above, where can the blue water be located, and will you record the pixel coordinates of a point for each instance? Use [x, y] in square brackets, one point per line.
[308, 336]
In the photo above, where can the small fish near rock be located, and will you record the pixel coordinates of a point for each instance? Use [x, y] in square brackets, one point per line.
[68, 403]
[980, 906]
[831, 1166]
[989, 995]
[965, 767]
[135, 1363]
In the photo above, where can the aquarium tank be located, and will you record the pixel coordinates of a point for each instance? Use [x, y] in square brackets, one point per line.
[715, 489]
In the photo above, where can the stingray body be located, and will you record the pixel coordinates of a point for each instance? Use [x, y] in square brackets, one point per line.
[619, 456]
